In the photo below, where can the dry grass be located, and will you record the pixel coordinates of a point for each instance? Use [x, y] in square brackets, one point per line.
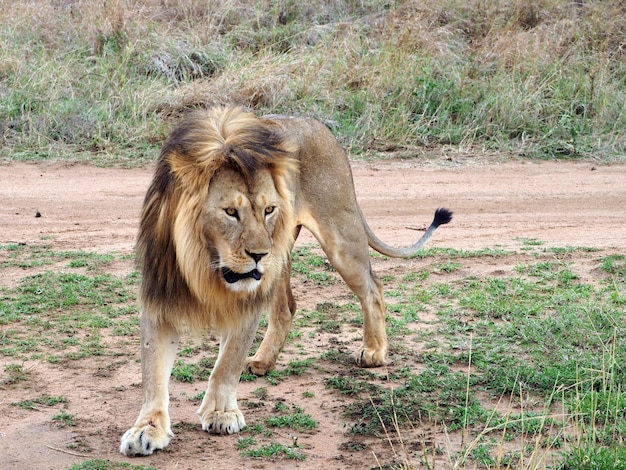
[540, 78]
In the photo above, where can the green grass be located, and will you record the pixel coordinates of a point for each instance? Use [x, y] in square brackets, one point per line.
[43, 400]
[57, 315]
[283, 417]
[304, 260]
[64, 419]
[34, 256]
[14, 373]
[184, 372]
[101, 464]
[274, 451]
[297, 421]
[526, 364]
[104, 83]
[537, 334]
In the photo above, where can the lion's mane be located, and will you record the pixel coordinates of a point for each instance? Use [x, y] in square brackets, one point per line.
[181, 285]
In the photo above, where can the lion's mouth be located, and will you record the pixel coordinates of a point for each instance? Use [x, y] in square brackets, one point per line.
[231, 276]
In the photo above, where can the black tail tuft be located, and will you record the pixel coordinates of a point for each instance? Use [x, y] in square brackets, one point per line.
[442, 216]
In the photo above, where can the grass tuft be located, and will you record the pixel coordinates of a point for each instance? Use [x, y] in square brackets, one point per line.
[103, 81]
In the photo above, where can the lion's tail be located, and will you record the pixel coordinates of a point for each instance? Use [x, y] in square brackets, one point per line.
[442, 216]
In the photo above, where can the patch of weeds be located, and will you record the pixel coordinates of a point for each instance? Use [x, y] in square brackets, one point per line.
[293, 336]
[615, 265]
[15, 373]
[25, 256]
[199, 396]
[274, 451]
[527, 335]
[350, 386]
[416, 276]
[108, 369]
[102, 464]
[397, 327]
[64, 419]
[127, 327]
[44, 400]
[189, 351]
[549, 272]
[80, 445]
[67, 312]
[601, 407]
[353, 446]
[281, 407]
[245, 442]
[306, 256]
[530, 242]
[322, 278]
[307, 394]
[247, 377]
[205, 366]
[339, 356]
[297, 421]
[185, 426]
[90, 261]
[454, 253]
[260, 393]
[259, 429]
[408, 311]
[273, 377]
[448, 267]
[314, 267]
[184, 372]
[298, 367]
[330, 317]
[481, 455]
[30, 256]
[304, 318]
[504, 297]
[593, 456]
[253, 404]
[572, 249]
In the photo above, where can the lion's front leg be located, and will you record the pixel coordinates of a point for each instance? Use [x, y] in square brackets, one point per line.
[219, 413]
[279, 319]
[152, 429]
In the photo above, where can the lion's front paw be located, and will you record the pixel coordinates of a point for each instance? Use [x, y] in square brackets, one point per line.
[367, 357]
[222, 422]
[258, 367]
[145, 439]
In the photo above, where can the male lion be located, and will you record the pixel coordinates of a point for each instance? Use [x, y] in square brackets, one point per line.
[229, 196]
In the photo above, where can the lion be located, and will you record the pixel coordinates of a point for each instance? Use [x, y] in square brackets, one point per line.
[229, 196]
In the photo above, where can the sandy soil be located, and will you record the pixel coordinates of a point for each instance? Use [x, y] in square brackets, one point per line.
[95, 209]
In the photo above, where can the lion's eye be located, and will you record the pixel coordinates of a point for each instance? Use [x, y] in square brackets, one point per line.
[270, 210]
[232, 212]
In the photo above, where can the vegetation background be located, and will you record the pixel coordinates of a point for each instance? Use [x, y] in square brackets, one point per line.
[101, 80]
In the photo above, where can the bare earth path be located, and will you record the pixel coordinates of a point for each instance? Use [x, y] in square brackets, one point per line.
[95, 209]
[560, 203]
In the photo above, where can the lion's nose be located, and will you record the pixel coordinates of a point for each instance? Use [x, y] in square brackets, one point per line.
[256, 256]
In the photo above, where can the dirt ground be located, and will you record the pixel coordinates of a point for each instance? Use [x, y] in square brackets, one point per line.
[495, 204]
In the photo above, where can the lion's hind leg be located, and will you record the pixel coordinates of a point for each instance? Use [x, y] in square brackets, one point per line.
[152, 429]
[347, 249]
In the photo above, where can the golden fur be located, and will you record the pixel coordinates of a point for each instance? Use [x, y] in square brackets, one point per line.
[178, 286]
[229, 196]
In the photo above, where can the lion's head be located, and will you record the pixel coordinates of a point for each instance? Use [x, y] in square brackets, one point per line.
[217, 222]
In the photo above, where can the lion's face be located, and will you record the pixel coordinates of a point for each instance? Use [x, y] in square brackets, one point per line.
[239, 218]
